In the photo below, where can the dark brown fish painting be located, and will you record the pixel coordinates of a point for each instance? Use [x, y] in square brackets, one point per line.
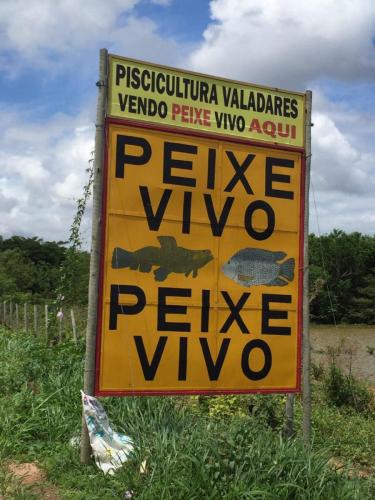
[169, 258]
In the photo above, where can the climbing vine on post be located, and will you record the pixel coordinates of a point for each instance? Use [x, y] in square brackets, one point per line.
[75, 229]
[68, 291]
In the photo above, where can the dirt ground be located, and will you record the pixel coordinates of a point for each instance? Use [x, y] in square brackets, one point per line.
[32, 478]
[353, 348]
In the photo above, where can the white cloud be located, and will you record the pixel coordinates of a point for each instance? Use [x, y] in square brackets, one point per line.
[349, 212]
[60, 35]
[162, 3]
[36, 26]
[342, 175]
[139, 38]
[13, 192]
[288, 43]
[339, 166]
[354, 120]
[28, 168]
[40, 184]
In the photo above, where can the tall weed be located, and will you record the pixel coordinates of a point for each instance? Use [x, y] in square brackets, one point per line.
[345, 390]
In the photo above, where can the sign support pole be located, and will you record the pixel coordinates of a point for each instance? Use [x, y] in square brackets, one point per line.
[306, 352]
[89, 373]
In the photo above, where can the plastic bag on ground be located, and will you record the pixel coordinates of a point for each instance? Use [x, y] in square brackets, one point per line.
[110, 449]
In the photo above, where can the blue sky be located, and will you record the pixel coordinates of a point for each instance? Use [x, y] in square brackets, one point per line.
[49, 59]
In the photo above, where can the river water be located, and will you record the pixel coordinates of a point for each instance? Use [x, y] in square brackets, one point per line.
[351, 347]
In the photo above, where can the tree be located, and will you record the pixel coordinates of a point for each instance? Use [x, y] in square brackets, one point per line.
[346, 262]
[32, 266]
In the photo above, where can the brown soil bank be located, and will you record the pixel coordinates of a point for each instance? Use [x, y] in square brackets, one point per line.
[353, 348]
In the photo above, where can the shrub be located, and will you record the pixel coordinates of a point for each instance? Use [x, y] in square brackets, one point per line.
[265, 408]
[317, 371]
[345, 390]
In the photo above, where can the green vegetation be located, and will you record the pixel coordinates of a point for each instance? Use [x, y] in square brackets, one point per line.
[33, 269]
[226, 447]
[345, 390]
[347, 269]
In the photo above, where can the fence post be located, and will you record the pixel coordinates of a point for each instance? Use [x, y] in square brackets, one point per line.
[35, 319]
[46, 321]
[25, 318]
[17, 318]
[11, 315]
[5, 312]
[60, 318]
[74, 326]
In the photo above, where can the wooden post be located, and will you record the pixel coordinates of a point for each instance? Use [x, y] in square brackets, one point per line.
[46, 321]
[35, 319]
[5, 312]
[306, 353]
[25, 318]
[89, 374]
[289, 416]
[11, 315]
[61, 319]
[74, 326]
[17, 318]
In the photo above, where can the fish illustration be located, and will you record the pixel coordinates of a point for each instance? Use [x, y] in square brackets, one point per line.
[169, 258]
[253, 266]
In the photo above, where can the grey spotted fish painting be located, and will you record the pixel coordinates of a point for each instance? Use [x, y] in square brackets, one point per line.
[168, 258]
[254, 266]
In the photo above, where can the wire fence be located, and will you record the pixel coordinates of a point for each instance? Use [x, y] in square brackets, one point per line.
[55, 324]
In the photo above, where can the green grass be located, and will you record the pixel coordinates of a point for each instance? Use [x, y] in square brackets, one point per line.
[196, 448]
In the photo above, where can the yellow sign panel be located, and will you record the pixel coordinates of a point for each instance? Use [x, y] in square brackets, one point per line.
[201, 275]
[166, 96]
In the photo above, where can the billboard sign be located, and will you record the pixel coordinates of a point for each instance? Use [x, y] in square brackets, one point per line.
[201, 270]
[201, 103]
